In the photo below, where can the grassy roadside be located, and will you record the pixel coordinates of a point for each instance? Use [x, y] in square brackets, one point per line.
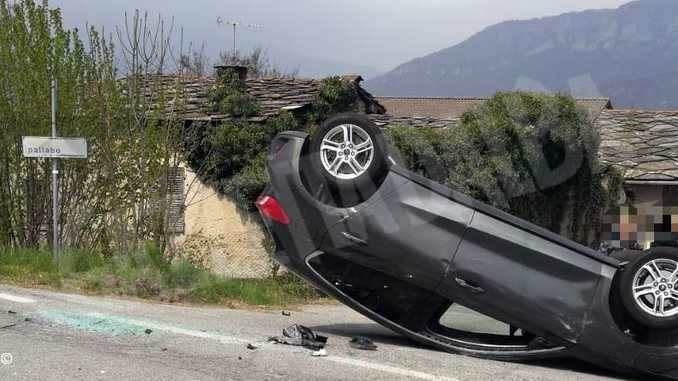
[146, 275]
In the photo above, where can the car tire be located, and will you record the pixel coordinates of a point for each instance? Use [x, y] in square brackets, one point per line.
[349, 153]
[648, 288]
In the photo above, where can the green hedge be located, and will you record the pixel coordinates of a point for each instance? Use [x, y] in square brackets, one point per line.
[532, 155]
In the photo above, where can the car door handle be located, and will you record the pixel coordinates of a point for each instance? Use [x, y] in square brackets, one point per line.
[354, 239]
[470, 286]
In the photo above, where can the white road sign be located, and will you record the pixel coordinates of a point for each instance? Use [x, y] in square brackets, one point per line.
[63, 148]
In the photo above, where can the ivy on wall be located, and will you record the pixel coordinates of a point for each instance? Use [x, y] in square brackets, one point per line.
[230, 97]
[230, 156]
[335, 96]
[532, 155]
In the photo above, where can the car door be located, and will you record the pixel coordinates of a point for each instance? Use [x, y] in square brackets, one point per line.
[410, 234]
[519, 277]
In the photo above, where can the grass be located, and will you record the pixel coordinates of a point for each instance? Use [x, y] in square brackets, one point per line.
[146, 274]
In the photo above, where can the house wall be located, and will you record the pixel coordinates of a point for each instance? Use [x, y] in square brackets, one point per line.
[220, 236]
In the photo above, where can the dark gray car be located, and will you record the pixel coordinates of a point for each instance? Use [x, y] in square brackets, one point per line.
[404, 250]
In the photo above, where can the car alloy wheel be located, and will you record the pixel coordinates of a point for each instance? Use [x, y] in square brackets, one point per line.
[654, 288]
[346, 151]
[345, 160]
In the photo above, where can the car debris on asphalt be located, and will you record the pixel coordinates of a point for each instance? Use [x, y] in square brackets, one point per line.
[302, 336]
[362, 343]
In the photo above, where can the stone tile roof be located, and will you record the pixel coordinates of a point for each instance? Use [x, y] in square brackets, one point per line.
[387, 120]
[454, 107]
[272, 93]
[643, 143]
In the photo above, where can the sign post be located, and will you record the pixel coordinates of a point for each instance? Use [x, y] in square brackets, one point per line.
[55, 173]
[54, 148]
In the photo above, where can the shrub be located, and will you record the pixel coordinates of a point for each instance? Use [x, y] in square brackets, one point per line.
[334, 96]
[267, 291]
[248, 184]
[183, 274]
[28, 266]
[79, 261]
[228, 96]
[231, 155]
[518, 150]
[156, 256]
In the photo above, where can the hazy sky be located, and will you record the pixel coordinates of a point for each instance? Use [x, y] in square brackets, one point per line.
[376, 33]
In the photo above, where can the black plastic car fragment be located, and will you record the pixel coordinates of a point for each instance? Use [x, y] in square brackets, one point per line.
[301, 336]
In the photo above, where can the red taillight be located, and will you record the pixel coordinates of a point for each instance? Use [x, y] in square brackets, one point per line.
[270, 207]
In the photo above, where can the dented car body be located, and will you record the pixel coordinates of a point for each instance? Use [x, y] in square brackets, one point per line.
[413, 248]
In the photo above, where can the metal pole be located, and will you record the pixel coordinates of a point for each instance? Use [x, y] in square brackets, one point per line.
[55, 172]
[234, 25]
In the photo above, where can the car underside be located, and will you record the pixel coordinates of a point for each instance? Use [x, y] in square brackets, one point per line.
[414, 255]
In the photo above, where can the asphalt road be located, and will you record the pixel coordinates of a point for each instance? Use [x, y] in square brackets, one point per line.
[54, 336]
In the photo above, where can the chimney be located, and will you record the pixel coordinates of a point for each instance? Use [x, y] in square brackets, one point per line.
[228, 73]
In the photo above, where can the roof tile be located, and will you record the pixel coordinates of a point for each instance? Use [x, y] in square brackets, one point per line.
[454, 107]
[189, 95]
[644, 144]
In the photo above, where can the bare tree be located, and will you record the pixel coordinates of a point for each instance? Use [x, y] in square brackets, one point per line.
[194, 62]
[154, 103]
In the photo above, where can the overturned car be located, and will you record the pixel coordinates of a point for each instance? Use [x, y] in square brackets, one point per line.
[408, 252]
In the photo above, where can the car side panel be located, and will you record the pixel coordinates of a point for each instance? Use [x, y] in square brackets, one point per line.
[411, 234]
[526, 280]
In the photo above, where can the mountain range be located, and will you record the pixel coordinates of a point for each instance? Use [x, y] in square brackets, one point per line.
[629, 54]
